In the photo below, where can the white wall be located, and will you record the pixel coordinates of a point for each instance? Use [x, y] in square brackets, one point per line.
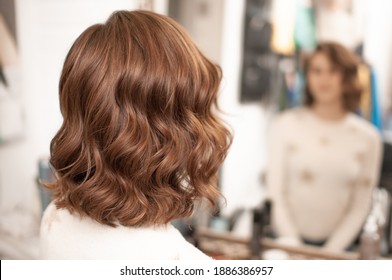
[203, 21]
[161, 6]
[378, 46]
[246, 160]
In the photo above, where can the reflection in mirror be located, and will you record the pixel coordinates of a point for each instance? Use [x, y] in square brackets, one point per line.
[321, 91]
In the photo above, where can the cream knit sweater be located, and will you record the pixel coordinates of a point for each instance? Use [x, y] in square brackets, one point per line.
[66, 236]
[321, 175]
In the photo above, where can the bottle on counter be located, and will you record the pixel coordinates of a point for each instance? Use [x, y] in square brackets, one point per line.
[369, 248]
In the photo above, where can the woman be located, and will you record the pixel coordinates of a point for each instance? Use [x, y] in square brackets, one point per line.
[139, 144]
[325, 160]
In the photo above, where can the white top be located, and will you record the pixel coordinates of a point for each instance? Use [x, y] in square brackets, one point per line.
[66, 236]
[321, 175]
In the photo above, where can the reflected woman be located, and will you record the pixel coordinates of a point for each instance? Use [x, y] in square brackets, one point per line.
[324, 160]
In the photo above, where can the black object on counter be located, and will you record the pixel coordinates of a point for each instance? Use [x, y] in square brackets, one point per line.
[261, 225]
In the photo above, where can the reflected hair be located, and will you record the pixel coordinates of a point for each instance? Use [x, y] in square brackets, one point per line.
[140, 141]
[347, 63]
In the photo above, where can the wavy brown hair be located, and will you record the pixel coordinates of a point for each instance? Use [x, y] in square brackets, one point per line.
[347, 63]
[140, 140]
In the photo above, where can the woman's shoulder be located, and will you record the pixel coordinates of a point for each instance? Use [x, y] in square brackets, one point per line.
[162, 241]
[61, 218]
[363, 127]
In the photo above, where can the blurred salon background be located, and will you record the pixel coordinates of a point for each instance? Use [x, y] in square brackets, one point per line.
[260, 45]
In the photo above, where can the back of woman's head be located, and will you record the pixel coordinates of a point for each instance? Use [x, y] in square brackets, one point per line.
[140, 141]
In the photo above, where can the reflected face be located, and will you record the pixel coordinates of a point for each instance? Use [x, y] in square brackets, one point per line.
[324, 80]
